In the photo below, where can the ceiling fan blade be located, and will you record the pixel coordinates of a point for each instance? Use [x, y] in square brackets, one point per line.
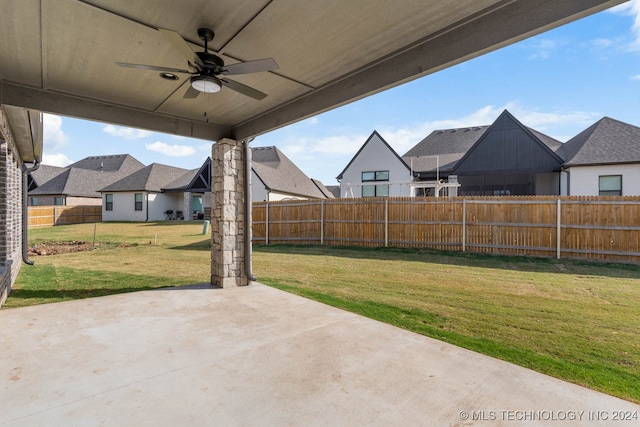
[257, 66]
[243, 89]
[153, 68]
[191, 93]
[179, 43]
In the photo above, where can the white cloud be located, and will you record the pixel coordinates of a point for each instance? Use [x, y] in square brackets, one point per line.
[126, 133]
[543, 48]
[171, 150]
[632, 8]
[53, 135]
[636, 77]
[57, 159]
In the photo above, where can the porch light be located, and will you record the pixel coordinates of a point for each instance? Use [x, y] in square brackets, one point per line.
[205, 84]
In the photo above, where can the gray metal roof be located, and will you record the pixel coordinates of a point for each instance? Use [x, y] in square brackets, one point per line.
[280, 174]
[151, 178]
[606, 141]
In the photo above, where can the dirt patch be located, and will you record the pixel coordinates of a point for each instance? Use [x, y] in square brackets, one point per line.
[55, 248]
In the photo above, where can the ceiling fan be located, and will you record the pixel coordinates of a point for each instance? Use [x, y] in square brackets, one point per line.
[207, 70]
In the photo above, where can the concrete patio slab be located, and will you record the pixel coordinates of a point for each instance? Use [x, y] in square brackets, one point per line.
[256, 356]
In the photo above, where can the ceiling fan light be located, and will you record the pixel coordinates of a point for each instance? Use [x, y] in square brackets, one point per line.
[205, 84]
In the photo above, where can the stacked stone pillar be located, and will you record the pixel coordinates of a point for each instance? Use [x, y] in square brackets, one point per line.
[227, 214]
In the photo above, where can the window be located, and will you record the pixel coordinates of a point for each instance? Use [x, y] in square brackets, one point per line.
[57, 200]
[375, 190]
[138, 201]
[108, 202]
[34, 201]
[610, 185]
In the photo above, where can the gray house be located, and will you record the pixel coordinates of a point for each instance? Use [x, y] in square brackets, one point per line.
[80, 182]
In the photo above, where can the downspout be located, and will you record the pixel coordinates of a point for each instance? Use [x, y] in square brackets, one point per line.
[25, 211]
[247, 212]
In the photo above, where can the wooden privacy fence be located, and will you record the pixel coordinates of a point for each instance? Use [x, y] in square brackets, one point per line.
[606, 228]
[47, 216]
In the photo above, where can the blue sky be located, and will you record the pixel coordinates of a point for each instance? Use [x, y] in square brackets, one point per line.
[558, 83]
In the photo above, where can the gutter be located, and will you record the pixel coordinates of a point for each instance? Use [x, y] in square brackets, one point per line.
[25, 211]
[248, 235]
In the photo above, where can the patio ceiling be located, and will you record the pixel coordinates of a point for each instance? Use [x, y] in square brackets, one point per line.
[59, 56]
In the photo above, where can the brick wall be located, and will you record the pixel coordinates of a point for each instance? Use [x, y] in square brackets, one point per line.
[10, 218]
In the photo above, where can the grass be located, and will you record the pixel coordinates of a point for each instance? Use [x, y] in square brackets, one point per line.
[577, 321]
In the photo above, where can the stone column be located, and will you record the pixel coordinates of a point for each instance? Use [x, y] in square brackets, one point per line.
[187, 205]
[227, 214]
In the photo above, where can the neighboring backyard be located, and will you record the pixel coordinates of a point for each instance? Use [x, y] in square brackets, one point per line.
[574, 320]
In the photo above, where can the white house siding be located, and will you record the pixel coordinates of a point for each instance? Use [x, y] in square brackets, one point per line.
[258, 192]
[124, 208]
[583, 180]
[375, 156]
[157, 203]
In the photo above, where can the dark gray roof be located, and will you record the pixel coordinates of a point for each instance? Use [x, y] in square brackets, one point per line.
[450, 145]
[110, 163]
[550, 142]
[606, 141]
[45, 172]
[278, 173]
[182, 182]
[327, 193]
[151, 178]
[447, 141]
[75, 182]
[335, 190]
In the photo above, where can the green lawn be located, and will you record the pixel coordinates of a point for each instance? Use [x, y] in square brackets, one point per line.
[574, 320]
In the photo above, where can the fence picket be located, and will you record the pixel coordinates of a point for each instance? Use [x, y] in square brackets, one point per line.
[605, 228]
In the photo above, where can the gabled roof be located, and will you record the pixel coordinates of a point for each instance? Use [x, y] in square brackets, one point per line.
[75, 182]
[278, 173]
[196, 180]
[538, 139]
[335, 190]
[449, 145]
[327, 193]
[607, 141]
[109, 163]
[151, 178]
[374, 134]
[43, 174]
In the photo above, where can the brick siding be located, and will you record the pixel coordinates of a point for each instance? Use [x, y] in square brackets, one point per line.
[10, 218]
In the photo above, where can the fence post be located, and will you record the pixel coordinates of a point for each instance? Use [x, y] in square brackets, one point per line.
[322, 222]
[558, 231]
[266, 224]
[386, 223]
[464, 225]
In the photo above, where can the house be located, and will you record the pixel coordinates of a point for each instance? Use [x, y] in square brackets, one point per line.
[275, 177]
[505, 158]
[140, 196]
[193, 189]
[80, 182]
[160, 192]
[604, 160]
[376, 170]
